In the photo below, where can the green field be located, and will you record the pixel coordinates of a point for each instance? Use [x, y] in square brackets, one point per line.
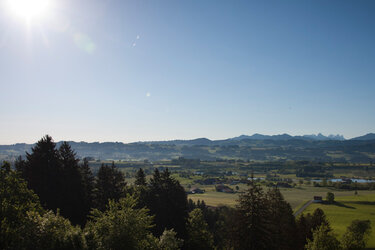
[295, 196]
[349, 208]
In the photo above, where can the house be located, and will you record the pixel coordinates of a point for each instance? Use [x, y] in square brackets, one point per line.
[224, 189]
[318, 199]
[196, 191]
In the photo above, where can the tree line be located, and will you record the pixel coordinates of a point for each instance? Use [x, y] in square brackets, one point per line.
[53, 201]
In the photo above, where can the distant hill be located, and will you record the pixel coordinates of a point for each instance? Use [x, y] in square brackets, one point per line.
[256, 148]
[367, 137]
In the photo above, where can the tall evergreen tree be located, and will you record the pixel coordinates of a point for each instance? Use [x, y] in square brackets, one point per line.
[306, 224]
[303, 231]
[282, 222]
[72, 206]
[42, 171]
[199, 237]
[88, 182]
[252, 226]
[110, 184]
[140, 178]
[318, 218]
[167, 200]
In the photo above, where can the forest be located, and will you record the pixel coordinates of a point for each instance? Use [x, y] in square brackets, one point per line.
[51, 199]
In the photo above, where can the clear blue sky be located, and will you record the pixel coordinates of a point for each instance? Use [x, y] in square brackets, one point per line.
[115, 70]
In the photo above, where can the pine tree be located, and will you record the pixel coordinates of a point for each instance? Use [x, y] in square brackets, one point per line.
[252, 225]
[318, 218]
[199, 237]
[167, 200]
[303, 231]
[110, 184]
[88, 183]
[282, 222]
[71, 187]
[306, 224]
[140, 178]
[42, 171]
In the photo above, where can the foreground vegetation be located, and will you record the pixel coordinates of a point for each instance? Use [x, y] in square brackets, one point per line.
[53, 201]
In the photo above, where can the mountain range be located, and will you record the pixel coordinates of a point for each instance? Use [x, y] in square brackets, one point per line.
[255, 147]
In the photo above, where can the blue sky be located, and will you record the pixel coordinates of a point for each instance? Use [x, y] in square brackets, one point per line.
[96, 70]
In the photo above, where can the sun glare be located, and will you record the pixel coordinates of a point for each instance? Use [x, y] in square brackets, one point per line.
[29, 9]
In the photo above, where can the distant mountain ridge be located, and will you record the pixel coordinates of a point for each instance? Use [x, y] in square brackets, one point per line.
[318, 137]
[255, 147]
[367, 137]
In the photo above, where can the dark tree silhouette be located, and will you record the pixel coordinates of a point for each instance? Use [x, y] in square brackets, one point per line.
[282, 221]
[167, 200]
[140, 178]
[110, 184]
[252, 225]
[72, 193]
[88, 182]
[42, 171]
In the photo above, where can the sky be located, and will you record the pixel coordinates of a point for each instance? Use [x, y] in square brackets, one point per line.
[122, 70]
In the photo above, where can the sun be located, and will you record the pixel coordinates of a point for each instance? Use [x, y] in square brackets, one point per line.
[29, 9]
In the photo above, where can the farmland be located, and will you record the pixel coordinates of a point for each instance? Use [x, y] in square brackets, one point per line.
[348, 208]
[295, 196]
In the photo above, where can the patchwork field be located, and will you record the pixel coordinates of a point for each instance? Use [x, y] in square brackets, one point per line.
[348, 208]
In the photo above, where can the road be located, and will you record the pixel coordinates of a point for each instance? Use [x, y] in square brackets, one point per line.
[303, 208]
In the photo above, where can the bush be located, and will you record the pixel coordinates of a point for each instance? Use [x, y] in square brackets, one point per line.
[330, 197]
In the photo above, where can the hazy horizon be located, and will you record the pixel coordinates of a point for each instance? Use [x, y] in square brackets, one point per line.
[129, 71]
[172, 139]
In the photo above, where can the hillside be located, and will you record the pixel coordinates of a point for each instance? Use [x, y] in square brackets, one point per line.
[265, 148]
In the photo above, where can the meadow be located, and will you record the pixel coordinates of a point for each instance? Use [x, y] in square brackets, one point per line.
[295, 196]
[348, 208]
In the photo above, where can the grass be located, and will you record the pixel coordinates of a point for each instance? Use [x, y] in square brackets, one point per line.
[295, 196]
[348, 208]
[215, 199]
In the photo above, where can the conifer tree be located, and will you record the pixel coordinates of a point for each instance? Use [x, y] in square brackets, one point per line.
[110, 184]
[282, 222]
[318, 218]
[167, 200]
[71, 198]
[252, 226]
[140, 178]
[42, 171]
[199, 237]
[88, 182]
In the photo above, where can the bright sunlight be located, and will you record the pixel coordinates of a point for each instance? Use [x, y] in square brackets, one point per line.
[29, 9]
